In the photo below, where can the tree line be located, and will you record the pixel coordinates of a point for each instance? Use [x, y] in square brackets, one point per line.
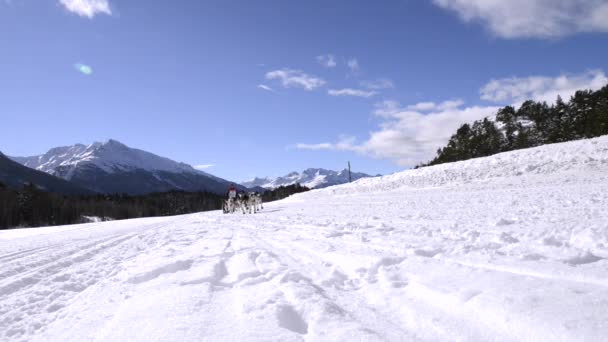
[532, 124]
[32, 207]
[283, 192]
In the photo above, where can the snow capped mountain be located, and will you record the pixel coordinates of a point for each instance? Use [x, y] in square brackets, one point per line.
[110, 156]
[311, 178]
[113, 167]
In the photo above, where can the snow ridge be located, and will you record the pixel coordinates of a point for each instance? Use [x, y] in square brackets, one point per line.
[569, 157]
[311, 178]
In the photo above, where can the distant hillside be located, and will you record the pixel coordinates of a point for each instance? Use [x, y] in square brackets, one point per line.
[310, 178]
[16, 176]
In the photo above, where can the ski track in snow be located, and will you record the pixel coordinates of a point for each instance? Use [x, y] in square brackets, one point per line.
[455, 252]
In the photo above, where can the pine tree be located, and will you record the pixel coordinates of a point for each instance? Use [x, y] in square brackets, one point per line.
[506, 116]
[600, 101]
[581, 118]
[559, 117]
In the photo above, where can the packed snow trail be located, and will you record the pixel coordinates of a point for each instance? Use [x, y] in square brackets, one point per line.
[512, 247]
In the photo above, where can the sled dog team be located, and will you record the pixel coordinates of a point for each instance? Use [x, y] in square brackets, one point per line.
[246, 202]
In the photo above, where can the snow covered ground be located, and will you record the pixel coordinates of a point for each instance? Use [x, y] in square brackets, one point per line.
[512, 247]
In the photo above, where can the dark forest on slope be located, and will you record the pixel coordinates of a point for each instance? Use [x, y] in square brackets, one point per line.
[533, 124]
[283, 192]
[33, 207]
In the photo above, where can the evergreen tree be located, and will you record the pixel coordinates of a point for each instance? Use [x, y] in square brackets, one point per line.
[580, 117]
[557, 122]
[507, 117]
[600, 101]
[283, 192]
[486, 139]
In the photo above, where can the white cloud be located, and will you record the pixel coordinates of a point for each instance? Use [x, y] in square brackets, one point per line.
[450, 104]
[515, 90]
[410, 137]
[428, 106]
[353, 65]
[387, 108]
[345, 143]
[87, 8]
[321, 146]
[328, 61]
[533, 18]
[204, 166]
[381, 83]
[295, 78]
[265, 87]
[406, 136]
[352, 92]
[422, 106]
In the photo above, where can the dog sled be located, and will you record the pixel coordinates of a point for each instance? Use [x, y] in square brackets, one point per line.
[244, 202]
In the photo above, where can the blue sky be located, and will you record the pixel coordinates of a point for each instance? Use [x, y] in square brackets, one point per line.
[262, 88]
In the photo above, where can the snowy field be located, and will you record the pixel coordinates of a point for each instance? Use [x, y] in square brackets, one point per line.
[512, 247]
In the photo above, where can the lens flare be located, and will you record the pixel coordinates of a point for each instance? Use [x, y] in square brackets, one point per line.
[83, 68]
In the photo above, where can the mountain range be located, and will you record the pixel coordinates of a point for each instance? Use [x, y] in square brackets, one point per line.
[311, 178]
[16, 176]
[113, 167]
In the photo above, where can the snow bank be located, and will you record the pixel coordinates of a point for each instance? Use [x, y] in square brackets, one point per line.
[584, 155]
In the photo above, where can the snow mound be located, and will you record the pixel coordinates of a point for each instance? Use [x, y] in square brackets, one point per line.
[571, 157]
